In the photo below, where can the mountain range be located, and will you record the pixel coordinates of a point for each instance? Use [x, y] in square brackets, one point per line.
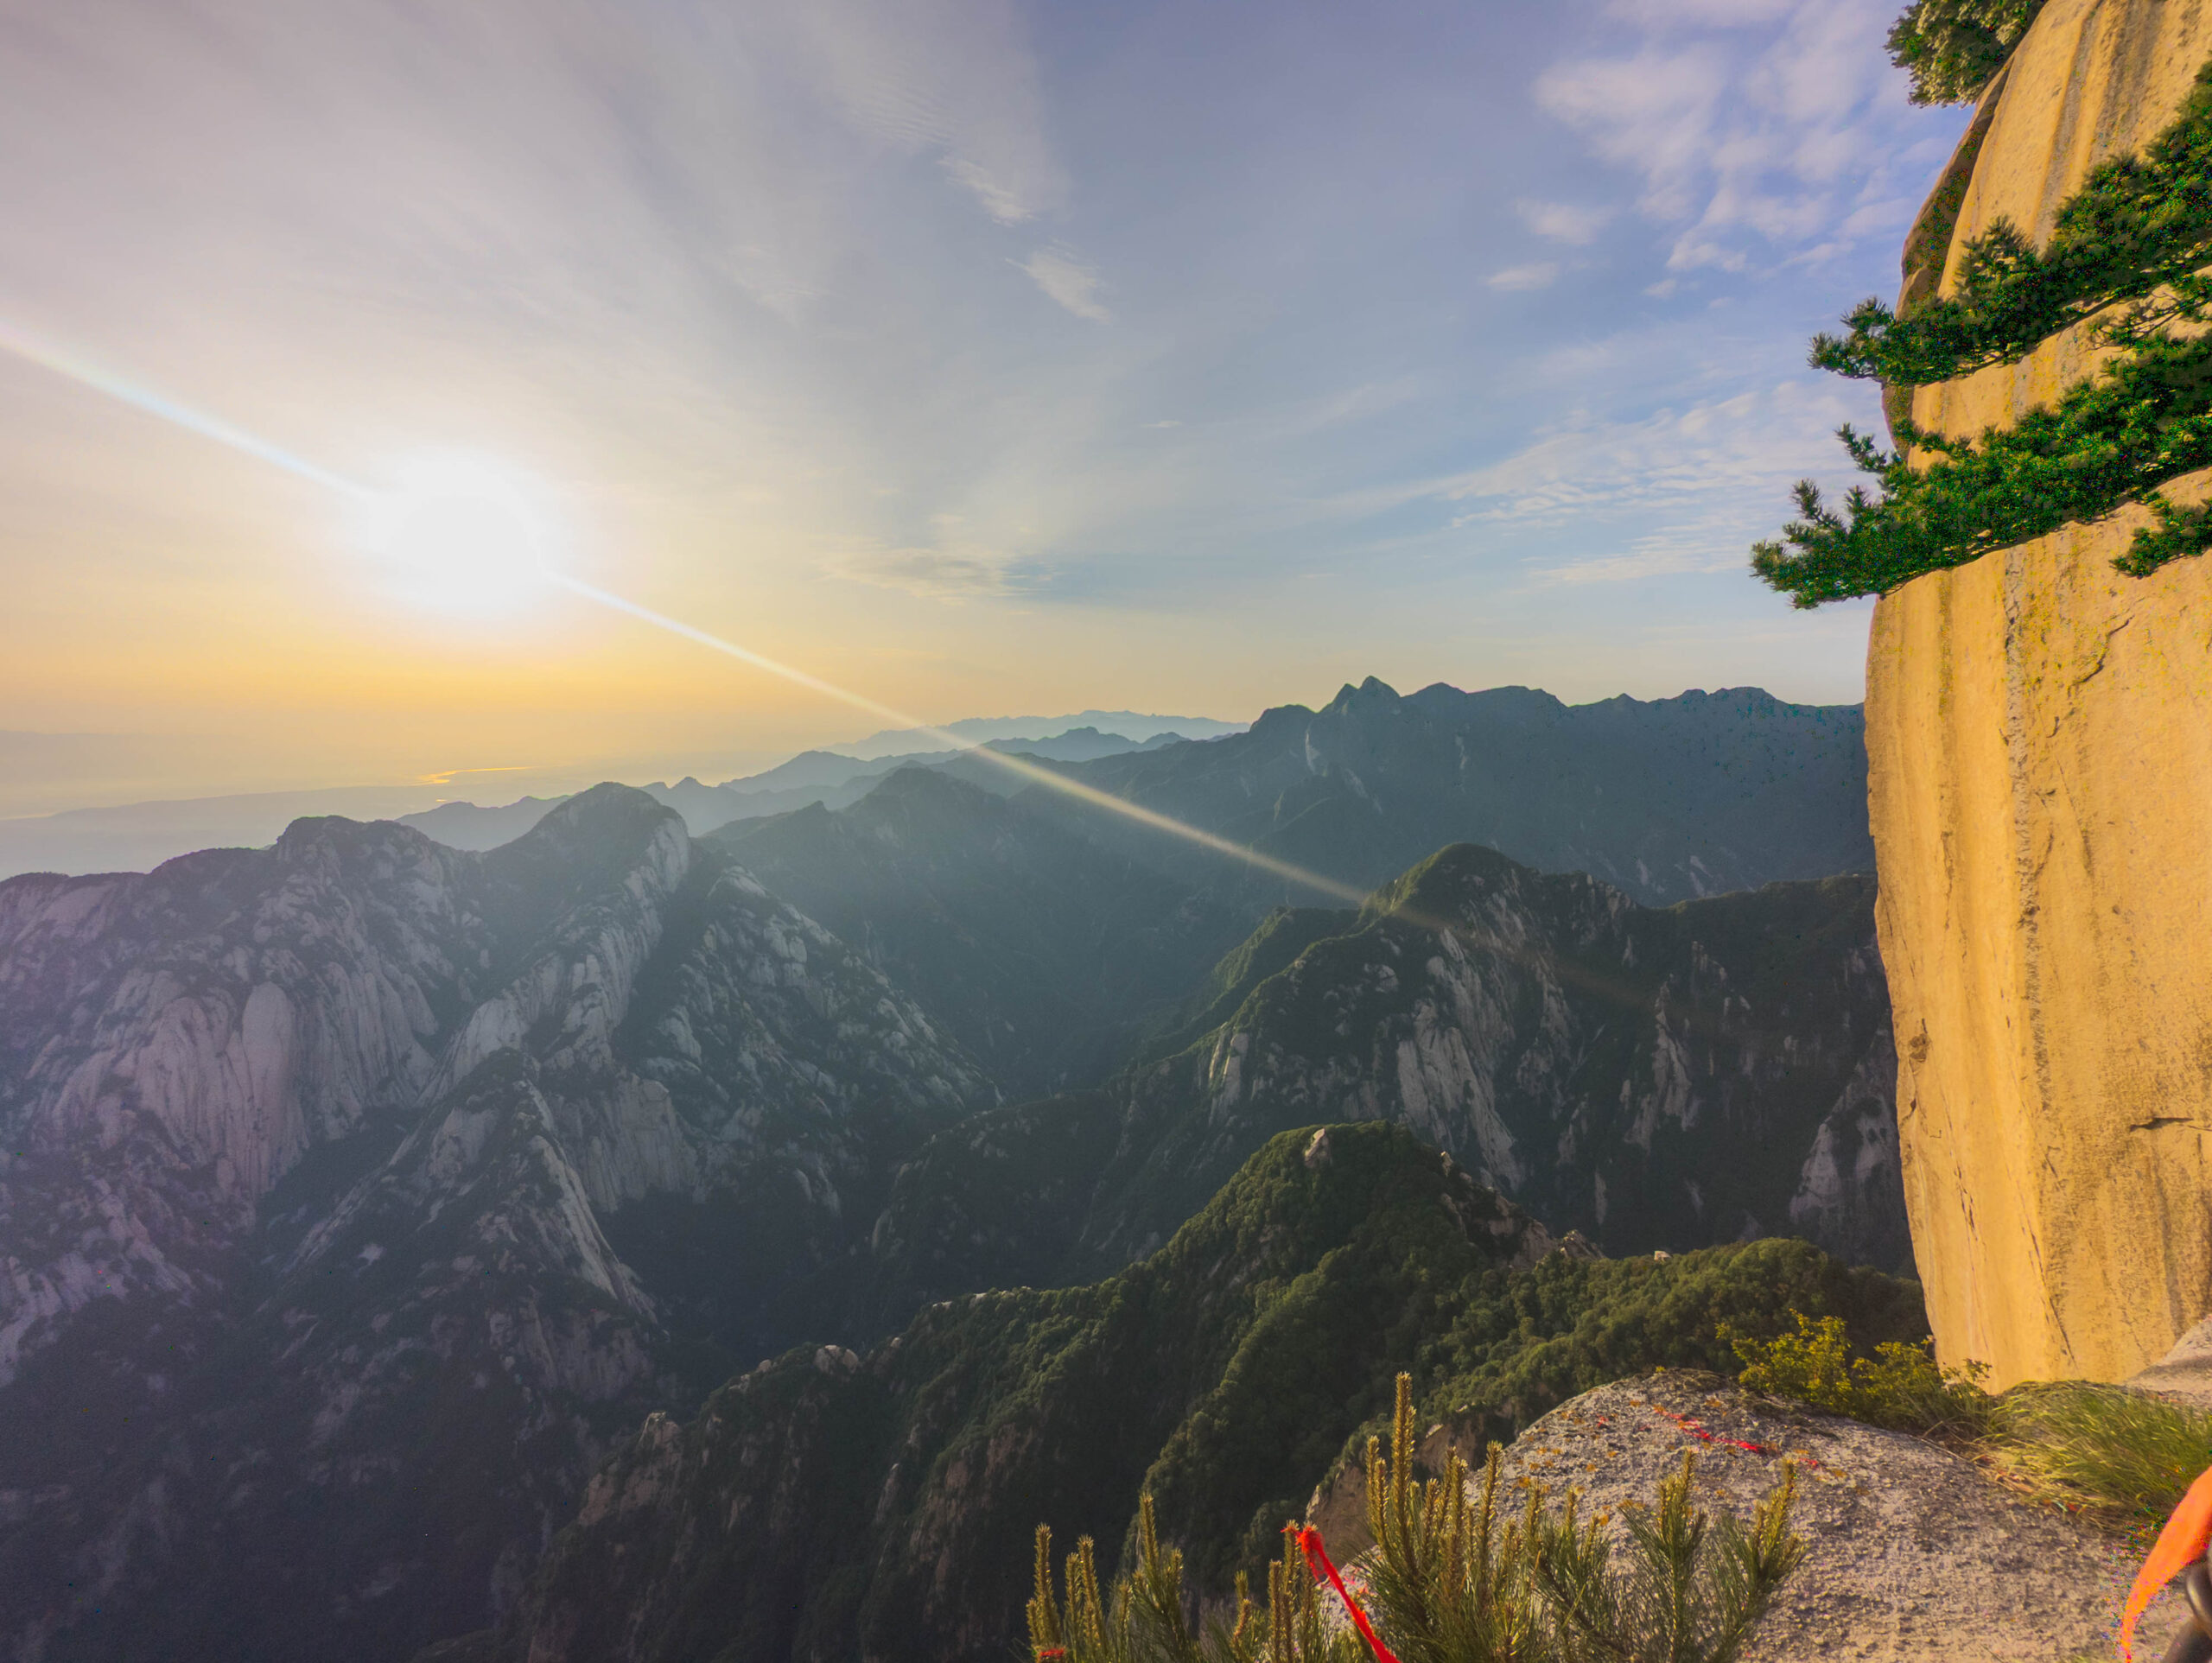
[360, 1194]
[46, 779]
[825, 776]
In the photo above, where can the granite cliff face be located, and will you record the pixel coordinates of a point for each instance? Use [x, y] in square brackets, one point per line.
[1652, 1078]
[2040, 731]
[339, 1186]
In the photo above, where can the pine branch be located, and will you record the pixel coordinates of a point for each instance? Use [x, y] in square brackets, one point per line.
[2138, 224]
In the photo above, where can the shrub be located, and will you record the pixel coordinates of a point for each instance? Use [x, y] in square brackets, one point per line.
[1692, 1593]
[1899, 1386]
[1147, 1619]
[1452, 1582]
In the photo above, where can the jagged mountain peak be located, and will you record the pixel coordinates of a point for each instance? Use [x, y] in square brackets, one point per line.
[1371, 694]
[1667, 799]
[914, 786]
[607, 813]
[315, 838]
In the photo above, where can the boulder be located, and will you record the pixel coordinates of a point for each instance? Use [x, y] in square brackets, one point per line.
[1914, 1552]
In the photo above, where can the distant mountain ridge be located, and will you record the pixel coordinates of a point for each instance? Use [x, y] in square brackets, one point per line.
[139, 835]
[1667, 799]
[1138, 726]
[812, 777]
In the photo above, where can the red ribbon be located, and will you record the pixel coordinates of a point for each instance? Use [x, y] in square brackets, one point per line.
[1317, 1560]
[1697, 1429]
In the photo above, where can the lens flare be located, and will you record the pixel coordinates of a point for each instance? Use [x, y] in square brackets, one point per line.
[461, 532]
[458, 533]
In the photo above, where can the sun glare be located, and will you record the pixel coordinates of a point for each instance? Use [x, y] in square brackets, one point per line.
[461, 534]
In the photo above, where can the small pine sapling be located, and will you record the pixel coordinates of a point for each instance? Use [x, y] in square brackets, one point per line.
[1451, 1581]
[1147, 1619]
[1693, 1589]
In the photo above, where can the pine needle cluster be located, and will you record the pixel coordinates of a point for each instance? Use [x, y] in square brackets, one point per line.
[1451, 1579]
[1148, 1617]
[1951, 47]
[2127, 257]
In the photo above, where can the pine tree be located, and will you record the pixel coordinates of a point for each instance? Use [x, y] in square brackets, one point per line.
[1952, 47]
[2126, 259]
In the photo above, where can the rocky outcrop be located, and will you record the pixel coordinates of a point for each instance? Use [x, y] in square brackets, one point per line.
[1655, 1078]
[2039, 732]
[1913, 1552]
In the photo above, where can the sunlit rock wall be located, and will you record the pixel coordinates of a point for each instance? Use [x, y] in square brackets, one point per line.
[2040, 731]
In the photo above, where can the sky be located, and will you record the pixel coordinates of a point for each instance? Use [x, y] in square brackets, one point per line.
[983, 357]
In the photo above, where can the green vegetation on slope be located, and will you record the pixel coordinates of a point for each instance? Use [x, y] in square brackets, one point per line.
[2111, 1451]
[1899, 1386]
[887, 1506]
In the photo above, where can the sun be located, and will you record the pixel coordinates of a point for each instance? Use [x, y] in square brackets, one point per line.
[459, 533]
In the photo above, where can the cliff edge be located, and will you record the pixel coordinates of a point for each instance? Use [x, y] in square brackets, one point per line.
[2039, 732]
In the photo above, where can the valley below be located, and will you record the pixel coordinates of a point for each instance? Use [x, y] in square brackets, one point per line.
[750, 1237]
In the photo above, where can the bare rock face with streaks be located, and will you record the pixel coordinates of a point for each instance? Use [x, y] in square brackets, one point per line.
[318, 1160]
[1655, 1078]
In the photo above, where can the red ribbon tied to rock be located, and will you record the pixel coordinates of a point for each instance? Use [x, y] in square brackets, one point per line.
[1318, 1561]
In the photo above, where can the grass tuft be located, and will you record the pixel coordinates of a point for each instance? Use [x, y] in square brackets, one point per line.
[2104, 1448]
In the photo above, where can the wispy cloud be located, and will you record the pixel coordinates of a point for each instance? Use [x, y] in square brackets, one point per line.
[1564, 222]
[951, 77]
[944, 573]
[1755, 441]
[1754, 144]
[1067, 280]
[1518, 279]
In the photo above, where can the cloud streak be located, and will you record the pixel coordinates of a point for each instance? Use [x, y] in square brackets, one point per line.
[1068, 280]
[1520, 279]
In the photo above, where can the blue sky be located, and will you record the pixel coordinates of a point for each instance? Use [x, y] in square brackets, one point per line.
[993, 357]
